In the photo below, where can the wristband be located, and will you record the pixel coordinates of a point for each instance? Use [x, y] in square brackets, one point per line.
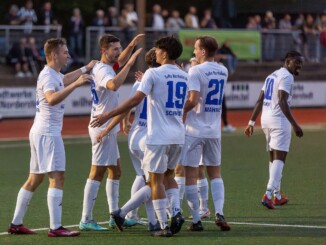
[251, 123]
[83, 69]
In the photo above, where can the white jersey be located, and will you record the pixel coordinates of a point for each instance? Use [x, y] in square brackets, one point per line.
[104, 100]
[166, 89]
[138, 130]
[204, 120]
[48, 119]
[272, 115]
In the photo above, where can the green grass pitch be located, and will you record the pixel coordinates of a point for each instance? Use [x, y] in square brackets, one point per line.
[245, 173]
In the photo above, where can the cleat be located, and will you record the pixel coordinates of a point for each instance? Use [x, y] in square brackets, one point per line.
[20, 230]
[119, 221]
[62, 232]
[91, 226]
[137, 220]
[111, 223]
[205, 214]
[156, 227]
[280, 202]
[166, 232]
[229, 129]
[267, 202]
[176, 223]
[129, 222]
[196, 227]
[220, 221]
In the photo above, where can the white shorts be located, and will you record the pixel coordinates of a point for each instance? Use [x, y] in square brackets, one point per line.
[278, 138]
[105, 153]
[159, 158]
[136, 157]
[204, 150]
[47, 154]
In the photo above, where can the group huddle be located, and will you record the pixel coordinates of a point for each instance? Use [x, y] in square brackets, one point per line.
[176, 128]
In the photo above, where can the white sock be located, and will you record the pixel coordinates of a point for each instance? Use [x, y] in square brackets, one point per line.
[160, 210]
[275, 175]
[173, 197]
[193, 202]
[112, 194]
[217, 189]
[202, 186]
[55, 207]
[150, 211]
[181, 181]
[139, 182]
[23, 199]
[136, 200]
[90, 195]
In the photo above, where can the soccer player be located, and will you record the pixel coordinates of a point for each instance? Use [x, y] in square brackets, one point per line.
[202, 112]
[136, 142]
[276, 121]
[166, 88]
[47, 149]
[105, 155]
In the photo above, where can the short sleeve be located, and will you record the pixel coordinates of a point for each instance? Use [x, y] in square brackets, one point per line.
[105, 74]
[134, 89]
[49, 84]
[147, 82]
[286, 84]
[194, 78]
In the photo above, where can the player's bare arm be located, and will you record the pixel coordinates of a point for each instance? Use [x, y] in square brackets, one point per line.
[72, 76]
[125, 55]
[124, 107]
[110, 126]
[249, 130]
[115, 83]
[138, 75]
[126, 125]
[283, 98]
[190, 103]
[54, 98]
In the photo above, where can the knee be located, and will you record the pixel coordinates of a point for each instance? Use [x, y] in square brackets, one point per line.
[179, 171]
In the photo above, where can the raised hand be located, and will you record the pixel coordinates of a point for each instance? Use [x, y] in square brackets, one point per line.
[138, 75]
[137, 39]
[91, 64]
[133, 58]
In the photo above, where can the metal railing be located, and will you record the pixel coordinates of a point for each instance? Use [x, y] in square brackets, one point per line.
[10, 34]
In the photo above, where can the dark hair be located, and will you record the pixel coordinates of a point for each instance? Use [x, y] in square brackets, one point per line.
[209, 44]
[171, 45]
[150, 58]
[106, 39]
[292, 54]
[53, 44]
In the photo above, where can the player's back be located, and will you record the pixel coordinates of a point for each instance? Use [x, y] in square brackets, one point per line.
[272, 115]
[204, 120]
[166, 89]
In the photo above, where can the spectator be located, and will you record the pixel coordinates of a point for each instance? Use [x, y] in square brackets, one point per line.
[28, 16]
[310, 30]
[76, 33]
[228, 57]
[12, 17]
[208, 21]
[18, 57]
[126, 26]
[132, 17]
[37, 58]
[322, 29]
[191, 19]
[251, 23]
[47, 16]
[268, 38]
[285, 23]
[258, 21]
[157, 21]
[99, 20]
[300, 38]
[111, 19]
[175, 22]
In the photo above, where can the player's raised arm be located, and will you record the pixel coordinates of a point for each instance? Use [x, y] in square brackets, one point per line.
[72, 76]
[126, 53]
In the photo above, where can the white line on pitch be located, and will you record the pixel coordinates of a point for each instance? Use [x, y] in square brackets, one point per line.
[211, 222]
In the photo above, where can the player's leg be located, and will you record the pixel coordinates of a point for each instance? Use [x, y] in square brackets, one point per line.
[112, 188]
[180, 179]
[212, 161]
[202, 185]
[278, 165]
[24, 197]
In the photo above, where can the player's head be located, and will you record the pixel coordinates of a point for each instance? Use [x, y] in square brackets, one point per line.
[110, 48]
[205, 48]
[56, 51]
[167, 49]
[293, 61]
[150, 58]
